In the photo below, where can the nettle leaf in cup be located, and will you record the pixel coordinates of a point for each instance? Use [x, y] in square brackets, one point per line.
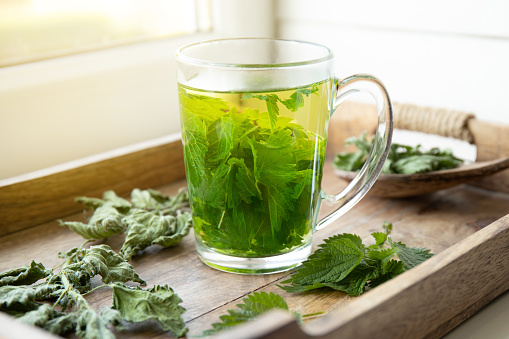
[251, 166]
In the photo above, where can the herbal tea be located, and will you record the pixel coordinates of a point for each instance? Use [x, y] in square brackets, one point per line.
[254, 156]
[254, 164]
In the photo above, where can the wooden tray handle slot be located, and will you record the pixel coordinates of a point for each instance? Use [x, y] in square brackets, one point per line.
[439, 121]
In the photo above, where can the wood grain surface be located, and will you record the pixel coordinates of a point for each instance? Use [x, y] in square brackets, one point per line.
[436, 221]
[492, 141]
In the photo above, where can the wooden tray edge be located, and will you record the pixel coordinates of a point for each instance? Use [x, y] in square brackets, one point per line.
[477, 266]
[35, 198]
[417, 304]
[13, 329]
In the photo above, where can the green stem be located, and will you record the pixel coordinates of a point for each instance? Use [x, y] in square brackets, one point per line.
[50, 280]
[67, 286]
[60, 298]
[69, 260]
[221, 221]
[248, 132]
[83, 245]
[59, 265]
[312, 314]
[96, 288]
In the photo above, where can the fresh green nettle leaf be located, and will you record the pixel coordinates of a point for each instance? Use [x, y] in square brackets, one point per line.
[253, 305]
[271, 101]
[150, 218]
[381, 237]
[204, 107]
[344, 263]
[402, 159]
[331, 263]
[296, 100]
[25, 275]
[105, 222]
[293, 103]
[411, 256]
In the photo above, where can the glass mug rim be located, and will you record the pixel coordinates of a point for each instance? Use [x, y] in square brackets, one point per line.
[182, 55]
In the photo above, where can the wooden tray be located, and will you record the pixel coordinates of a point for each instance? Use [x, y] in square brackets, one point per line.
[466, 226]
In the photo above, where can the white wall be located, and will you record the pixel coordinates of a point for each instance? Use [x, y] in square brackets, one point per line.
[443, 53]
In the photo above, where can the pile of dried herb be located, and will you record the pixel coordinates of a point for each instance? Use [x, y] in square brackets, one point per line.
[58, 304]
[150, 218]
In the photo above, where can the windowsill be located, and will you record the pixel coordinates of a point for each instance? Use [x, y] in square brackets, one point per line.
[59, 110]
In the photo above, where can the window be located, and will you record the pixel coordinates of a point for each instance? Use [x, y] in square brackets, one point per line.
[32, 30]
[78, 100]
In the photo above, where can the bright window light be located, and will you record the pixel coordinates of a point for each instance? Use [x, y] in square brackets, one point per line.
[32, 30]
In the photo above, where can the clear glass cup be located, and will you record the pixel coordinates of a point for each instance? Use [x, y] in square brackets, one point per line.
[254, 115]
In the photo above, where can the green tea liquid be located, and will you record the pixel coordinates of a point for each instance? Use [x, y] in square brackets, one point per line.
[254, 163]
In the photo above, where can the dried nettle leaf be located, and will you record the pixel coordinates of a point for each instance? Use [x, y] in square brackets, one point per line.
[147, 228]
[183, 226]
[25, 275]
[17, 300]
[110, 198]
[40, 316]
[90, 325]
[150, 218]
[62, 324]
[102, 260]
[68, 288]
[105, 222]
[151, 199]
[158, 303]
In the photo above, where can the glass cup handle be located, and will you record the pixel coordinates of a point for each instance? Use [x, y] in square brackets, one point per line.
[367, 176]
